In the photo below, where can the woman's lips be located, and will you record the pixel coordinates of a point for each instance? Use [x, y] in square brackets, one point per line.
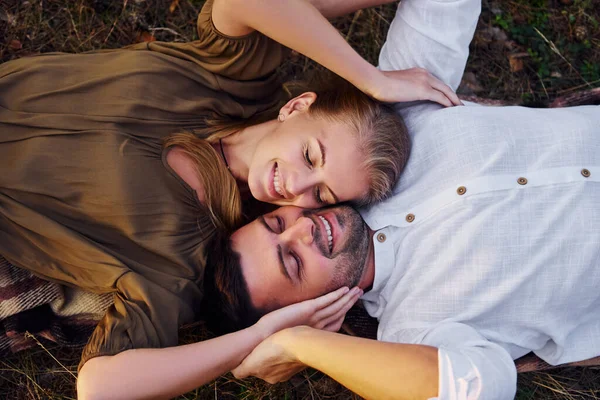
[271, 186]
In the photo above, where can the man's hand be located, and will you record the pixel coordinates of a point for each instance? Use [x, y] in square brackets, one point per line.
[411, 85]
[270, 360]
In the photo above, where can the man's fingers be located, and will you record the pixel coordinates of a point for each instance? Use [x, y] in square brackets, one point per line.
[446, 90]
[331, 297]
[240, 372]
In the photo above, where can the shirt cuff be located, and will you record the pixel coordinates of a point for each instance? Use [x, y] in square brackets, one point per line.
[459, 379]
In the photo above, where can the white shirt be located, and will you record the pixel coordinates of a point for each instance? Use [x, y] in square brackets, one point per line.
[469, 257]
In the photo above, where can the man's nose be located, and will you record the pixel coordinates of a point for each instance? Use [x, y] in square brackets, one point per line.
[302, 230]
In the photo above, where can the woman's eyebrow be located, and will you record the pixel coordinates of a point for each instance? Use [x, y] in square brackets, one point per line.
[322, 148]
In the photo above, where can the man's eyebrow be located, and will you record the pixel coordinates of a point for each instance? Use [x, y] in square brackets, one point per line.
[284, 271]
[282, 264]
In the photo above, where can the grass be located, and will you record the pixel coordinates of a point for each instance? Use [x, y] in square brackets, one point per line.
[524, 52]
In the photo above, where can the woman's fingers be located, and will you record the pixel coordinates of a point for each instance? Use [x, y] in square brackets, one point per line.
[331, 297]
[439, 97]
[338, 310]
[446, 90]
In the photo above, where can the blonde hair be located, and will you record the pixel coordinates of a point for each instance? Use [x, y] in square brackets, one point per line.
[381, 134]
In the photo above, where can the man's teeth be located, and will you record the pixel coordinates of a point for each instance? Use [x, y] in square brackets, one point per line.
[276, 182]
[328, 229]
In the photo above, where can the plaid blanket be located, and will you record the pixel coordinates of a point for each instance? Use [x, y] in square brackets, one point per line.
[48, 311]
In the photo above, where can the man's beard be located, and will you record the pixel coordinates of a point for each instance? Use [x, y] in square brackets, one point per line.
[352, 258]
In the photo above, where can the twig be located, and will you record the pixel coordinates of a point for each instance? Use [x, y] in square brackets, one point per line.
[353, 23]
[171, 31]
[30, 336]
[555, 50]
[116, 20]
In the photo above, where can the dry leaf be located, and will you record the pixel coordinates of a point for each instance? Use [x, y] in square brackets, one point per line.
[145, 37]
[173, 6]
[516, 61]
[15, 45]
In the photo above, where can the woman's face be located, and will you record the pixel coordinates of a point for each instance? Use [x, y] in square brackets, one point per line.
[307, 162]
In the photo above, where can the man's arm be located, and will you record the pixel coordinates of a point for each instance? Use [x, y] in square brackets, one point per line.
[455, 363]
[370, 368]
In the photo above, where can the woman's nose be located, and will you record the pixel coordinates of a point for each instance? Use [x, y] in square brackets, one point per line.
[303, 230]
[301, 183]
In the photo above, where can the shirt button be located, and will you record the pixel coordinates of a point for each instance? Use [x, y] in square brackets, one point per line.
[461, 190]
[410, 218]
[586, 173]
[522, 181]
[381, 237]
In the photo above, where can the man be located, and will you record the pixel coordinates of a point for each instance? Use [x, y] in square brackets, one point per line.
[489, 248]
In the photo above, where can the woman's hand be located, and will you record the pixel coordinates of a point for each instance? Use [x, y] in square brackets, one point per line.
[326, 312]
[411, 85]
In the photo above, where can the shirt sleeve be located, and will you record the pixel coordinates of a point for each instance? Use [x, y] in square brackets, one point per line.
[470, 366]
[144, 315]
[431, 34]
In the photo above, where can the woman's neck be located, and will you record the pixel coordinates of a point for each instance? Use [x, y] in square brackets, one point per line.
[239, 148]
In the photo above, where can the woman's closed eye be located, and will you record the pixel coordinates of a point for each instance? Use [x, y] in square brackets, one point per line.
[307, 158]
[318, 197]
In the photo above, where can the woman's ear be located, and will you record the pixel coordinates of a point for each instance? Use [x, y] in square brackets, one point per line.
[298, 104]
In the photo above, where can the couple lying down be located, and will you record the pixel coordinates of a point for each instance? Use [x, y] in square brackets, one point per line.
[487, 248]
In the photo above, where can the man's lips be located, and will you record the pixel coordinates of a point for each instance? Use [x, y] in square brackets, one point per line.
[335, 230]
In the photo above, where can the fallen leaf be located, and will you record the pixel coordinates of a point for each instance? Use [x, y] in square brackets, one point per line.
[15, 45]
[516, 61]
[145, 37]
[173, 6]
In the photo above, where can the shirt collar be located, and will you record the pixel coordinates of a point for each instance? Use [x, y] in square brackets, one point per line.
[384, 264]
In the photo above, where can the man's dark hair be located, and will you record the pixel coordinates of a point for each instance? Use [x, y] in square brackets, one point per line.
[226, 305]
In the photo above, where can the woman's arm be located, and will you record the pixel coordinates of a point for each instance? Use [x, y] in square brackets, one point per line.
[302, 26]
[164, 373]
[168, 372]
[370, 368]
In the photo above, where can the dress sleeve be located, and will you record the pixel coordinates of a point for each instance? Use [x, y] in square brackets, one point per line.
[243, 58]
[253, 57]
[144, 315]
[431, 34]
[470, 366]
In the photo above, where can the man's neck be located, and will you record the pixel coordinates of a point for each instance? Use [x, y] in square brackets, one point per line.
[366, 282]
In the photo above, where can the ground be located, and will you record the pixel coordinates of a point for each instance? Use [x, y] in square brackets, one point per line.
[524, 52]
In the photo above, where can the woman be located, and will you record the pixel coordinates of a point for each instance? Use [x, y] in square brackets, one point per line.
[89, 198]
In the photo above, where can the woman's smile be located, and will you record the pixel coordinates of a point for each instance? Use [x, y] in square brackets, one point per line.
[275, 184]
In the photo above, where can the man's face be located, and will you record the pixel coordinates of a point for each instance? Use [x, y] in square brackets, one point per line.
[292, 254]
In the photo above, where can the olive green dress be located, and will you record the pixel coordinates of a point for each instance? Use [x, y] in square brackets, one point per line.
[86, 196]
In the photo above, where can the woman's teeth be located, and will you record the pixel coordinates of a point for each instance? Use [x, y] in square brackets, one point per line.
[328, 229]
[276, 182]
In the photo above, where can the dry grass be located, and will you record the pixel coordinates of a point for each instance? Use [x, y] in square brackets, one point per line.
[557, 48]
